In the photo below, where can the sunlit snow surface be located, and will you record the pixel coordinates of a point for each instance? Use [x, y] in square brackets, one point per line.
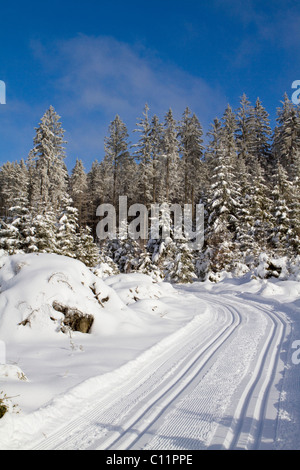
[164, 367]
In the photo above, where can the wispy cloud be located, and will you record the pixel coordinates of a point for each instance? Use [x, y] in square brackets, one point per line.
[95, 78]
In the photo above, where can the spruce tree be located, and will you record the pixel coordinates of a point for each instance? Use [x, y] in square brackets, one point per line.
[287, 135]
[116, 156]
[156, 135]
[262, 133]
[42, 237]
[96, 192]
[191, 147]
[282, 234]
[67, 238]
[47, 171]
[87, 251]
[245, 130]
[78, 191]
[223, 198]
[171, 191]
[144, 155]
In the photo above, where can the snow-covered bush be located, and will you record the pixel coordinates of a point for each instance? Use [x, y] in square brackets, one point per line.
[6, 405]
[268, 267]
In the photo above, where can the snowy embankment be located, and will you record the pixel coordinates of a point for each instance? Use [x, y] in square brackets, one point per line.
[157, 367]
[61, 367]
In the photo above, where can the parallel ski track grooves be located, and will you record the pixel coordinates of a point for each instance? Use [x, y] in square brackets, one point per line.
[143, 399]
[268, 360]
[174, 390]
[103, 407]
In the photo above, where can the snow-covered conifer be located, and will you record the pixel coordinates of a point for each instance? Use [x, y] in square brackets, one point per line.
[67, 238]
[78, 191]
[47, 171]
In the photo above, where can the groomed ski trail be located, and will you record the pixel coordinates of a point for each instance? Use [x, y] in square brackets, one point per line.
[211, 385]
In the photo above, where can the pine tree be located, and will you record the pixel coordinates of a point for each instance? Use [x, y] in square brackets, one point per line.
[96, 191]
[223, 198]
[144, 155]
[191, 146]
[47, 171]
[244, 238]
[261, 207]
[87, 251]
[262, 133]
[15, 226]
[10, 240]
[179, 265]
[171, 160]
[42, 237]
[116, 156]
[67, 239]
[125, 253]
[78, 191]
[146, 266]
[287, 135]
[13, 186]
[156, 135]
[282, 236]
[244, 130]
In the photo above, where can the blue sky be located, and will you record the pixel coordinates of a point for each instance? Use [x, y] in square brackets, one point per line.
[94, 59]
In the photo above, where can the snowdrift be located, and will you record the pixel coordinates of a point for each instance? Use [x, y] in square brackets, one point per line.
[47, 293]
[63, 323]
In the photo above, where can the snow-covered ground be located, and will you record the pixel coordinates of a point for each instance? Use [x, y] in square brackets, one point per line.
[168, 367]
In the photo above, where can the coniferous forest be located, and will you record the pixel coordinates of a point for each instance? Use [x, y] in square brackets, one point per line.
[246, 175]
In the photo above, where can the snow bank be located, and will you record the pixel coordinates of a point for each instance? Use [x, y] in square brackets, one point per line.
[281, 289]
[43, 359]
[134, 287]
[32, 284]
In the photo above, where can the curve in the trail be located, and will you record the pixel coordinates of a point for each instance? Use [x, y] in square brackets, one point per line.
[241, 422]
[138, 395]
[206, 387]
[247, 427]
[182, 380]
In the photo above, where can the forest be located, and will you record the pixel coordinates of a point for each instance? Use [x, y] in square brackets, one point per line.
[246, 174]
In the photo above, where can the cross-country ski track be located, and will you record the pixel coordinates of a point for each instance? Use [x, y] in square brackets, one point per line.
[220, 382]
[213, 385]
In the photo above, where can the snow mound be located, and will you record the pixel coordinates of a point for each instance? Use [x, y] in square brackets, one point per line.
[38, 291]
[135, 287]
[11, 372]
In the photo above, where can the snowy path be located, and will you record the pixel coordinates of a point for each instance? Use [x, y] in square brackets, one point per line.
[214, 384]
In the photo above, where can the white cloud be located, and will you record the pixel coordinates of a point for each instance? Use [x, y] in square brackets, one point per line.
[96, 78]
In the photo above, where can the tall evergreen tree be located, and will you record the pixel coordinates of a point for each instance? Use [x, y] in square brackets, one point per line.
[116, 155]
[87, 251]
[14, 180]
[156, 135]
[244, 130]
[47, 171]
[282, 234]
[144, 155]
[171, 160]
[261, 135]
[191, 146]
[78, 191]
[223, 197]
[67, 238]
[287, 135]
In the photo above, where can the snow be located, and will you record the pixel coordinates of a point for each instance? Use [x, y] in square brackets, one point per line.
[179, 357]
